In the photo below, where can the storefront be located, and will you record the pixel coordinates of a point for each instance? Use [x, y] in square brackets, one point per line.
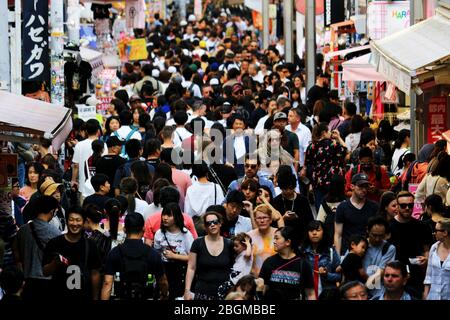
[417, 61]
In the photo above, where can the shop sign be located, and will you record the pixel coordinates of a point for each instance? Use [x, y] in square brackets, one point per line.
[35, 40]
[86, 112]
[437, 118]
[333, 11]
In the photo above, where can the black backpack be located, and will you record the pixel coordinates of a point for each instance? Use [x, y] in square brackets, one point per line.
[133, 284]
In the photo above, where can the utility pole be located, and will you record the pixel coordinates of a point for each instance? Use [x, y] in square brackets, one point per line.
[412, 93]
[265, 22]
[310, 44]
[288, 10]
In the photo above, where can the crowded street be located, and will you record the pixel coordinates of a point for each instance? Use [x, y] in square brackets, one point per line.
[260, 150]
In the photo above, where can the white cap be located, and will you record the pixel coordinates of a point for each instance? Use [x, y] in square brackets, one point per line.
[172, 69]
[192, 18]
[214, 82]
[155, 73]
[92, 101]
[183, 23]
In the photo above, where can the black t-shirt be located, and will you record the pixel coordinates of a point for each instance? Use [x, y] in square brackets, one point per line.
[226, 175]
[134, 248]
[96, 199]
[409, 238]
[77, 77]
[108, 165]
[350, 267]
[211, 271]
[292, 142]
[354, 220]
[76, 255]
[300, 206]
[257, 114]
[286, 279]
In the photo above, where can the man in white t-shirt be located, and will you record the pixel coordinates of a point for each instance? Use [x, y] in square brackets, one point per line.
[82, 152]
[303, 133]
[181, 133]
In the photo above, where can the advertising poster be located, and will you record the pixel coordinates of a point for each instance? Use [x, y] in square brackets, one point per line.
[437, 118]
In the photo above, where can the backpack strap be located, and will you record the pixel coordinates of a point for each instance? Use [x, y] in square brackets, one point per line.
[287, 263]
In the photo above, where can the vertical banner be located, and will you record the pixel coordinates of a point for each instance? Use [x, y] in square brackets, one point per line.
[5, 71]
[57, 49]
[437, 118]
[35, 40]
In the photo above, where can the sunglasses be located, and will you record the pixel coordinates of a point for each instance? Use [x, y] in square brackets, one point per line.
[406, 205]
[253, 166]
[212, 222]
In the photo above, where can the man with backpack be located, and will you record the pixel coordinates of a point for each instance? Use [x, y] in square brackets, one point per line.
[378, 176]
[134, 264]
[29, 246]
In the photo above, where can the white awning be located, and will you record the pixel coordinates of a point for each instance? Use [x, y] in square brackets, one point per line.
[344, 52]
[360, 69]
[26, 115]
[400, 55]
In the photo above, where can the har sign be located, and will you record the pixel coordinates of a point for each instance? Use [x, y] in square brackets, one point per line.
[35, 40]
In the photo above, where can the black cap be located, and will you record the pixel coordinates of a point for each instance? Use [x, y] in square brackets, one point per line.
[360, 179]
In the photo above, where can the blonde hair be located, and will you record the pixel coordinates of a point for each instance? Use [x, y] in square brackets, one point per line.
[263, 208]
[236, 296]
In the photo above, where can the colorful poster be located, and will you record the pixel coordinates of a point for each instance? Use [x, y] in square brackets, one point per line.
[385, 18]
[36, 60]
[137, 50]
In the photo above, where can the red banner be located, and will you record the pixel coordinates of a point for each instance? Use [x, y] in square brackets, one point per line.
[437, 118]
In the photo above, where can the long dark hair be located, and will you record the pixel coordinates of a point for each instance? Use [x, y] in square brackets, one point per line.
[386, 198]
[337, 189]
[163, 170]
[142, 175]
[114, 212]
[39, 168]
[324, 244]
[173, 209]
[318, 130]
[129, 187]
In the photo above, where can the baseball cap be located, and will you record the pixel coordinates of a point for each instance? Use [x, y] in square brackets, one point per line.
[237, 87]
[360, 179]
[155, 73]
[214, 66]
[183, 23]
[192, 18]
[279, 115]
[226, 108]
[229, 54]
[135, 97]
[92, 101]
[172, 69]
[214, 82]
[49, 187]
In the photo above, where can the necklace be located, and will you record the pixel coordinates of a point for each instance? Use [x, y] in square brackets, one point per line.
[293, 201]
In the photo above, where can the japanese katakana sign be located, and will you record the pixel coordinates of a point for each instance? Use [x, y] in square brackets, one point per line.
[35, 40]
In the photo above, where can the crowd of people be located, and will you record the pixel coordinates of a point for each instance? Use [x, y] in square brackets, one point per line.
[216, 175]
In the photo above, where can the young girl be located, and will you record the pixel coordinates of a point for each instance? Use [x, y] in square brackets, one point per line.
[352, 267]
[322, 257]
[174, 242]
[242, 245]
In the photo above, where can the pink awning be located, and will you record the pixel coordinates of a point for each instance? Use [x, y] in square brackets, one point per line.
[360, 69]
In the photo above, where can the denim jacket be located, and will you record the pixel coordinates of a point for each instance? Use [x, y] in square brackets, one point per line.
[330, 263]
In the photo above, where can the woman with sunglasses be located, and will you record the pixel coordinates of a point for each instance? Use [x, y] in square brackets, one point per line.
[437, 279]
[210, 261]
